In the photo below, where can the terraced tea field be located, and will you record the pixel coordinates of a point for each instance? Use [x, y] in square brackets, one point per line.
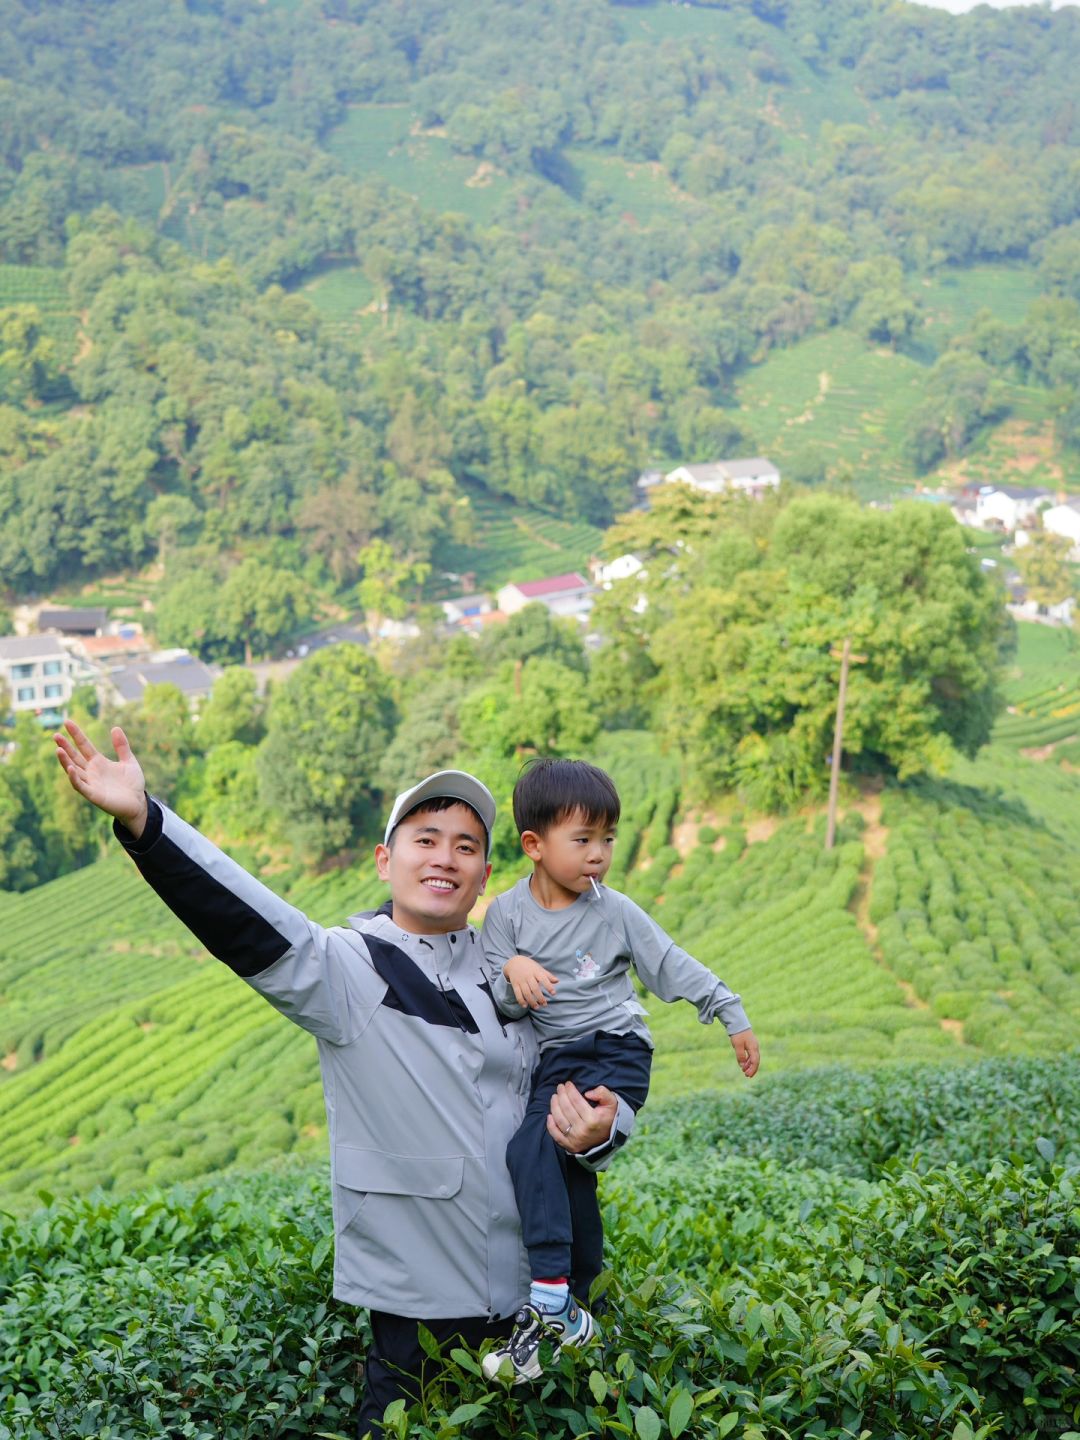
[1042, 691]
[38, 285]
[385, 140]
[509, 541]
[829, 396]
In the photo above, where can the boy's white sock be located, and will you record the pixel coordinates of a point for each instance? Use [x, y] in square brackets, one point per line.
[549, 1295]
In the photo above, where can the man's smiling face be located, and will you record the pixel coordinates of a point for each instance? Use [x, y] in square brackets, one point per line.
[436, 866]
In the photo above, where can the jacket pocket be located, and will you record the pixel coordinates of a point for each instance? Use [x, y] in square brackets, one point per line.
[375, 1172]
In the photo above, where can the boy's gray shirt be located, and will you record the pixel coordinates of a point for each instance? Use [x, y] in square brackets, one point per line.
[592, 945]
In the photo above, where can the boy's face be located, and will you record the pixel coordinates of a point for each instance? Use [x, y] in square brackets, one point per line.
[573, 852]
[436, 864]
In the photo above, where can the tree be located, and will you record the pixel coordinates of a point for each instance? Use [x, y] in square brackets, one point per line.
[260, 604]
[329, 727]
[429, 736]
[338, 520]
[1044, 567]
[533, 631]
[744, 616]
[161, 734]
[170, 519]
[233, 712]
[387, 579]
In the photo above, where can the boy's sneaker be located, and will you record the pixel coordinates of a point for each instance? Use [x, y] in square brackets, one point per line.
[519, 1359]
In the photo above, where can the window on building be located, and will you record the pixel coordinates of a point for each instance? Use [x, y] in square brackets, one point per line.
[22, 672]
[53, 667]
[25, 692]
[54, 692]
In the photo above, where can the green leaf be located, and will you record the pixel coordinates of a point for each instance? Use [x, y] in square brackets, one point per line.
[464, 1413]
[647, 1423]
[728, 1423]
[1046, 1148]
[428, 1343]
[680, 1409]
[320, 1252]
[598, 1386]
[465, 1360]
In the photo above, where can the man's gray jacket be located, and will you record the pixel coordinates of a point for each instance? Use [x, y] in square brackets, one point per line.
[425, 1082]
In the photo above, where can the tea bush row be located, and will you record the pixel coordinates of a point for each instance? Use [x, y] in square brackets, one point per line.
[749, 1300]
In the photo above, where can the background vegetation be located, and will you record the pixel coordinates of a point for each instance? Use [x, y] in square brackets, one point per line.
[310, 306]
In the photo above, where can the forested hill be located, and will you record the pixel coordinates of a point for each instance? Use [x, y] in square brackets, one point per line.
[279, 280]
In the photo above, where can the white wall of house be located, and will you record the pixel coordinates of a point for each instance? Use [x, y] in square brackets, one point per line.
[995, 507]
[1064, 520]
[621, 568]
[510, 600]
[40, 682]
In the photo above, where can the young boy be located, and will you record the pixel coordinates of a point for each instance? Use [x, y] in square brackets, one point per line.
[560, 946]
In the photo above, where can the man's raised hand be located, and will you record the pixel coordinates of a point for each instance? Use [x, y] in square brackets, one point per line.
[115, 786]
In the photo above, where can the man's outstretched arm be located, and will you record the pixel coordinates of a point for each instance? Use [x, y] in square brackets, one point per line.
[273, 946]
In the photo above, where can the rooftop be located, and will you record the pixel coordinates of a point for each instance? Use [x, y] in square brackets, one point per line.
[189, 675]
[748, 468]
[30, 647]
[74, 621]
[1018, 492]
[556, 585]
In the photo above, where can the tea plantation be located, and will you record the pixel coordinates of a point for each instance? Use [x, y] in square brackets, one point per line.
[878, 1237]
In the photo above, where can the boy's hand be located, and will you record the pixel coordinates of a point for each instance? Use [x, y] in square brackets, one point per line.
[530, 981]
[746, 1051]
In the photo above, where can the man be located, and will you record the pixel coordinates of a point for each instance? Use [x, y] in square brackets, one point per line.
[424, 1082]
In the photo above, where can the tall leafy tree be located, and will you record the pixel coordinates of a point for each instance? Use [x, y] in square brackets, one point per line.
[329, 727]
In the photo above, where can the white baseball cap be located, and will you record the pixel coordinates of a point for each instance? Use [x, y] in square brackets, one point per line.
[448, 785]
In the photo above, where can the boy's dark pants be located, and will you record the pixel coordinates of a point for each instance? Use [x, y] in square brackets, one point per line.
[545, 1177]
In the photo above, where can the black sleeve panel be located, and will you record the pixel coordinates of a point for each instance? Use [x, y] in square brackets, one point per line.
[230, 928]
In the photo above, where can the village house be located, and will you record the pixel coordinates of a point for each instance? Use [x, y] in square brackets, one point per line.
[39, 674]
[92, 620]
[606, 572]
[1064, 520]
[191, 677]
[463, 608]
[1006, 507]
[569, 595]
[753, 476]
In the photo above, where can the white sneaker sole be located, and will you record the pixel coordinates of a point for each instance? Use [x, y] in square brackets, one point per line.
[498, 1366]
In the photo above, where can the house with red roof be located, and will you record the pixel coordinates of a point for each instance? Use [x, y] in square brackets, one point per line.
[569, 595]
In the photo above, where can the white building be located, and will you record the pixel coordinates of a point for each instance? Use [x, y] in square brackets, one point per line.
[1064, 520]
[465, 607]
[569, 595]
[1006, 507]
[751, 476]
[606, 572]
[39, 674]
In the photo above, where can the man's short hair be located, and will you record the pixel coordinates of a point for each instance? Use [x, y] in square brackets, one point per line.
[551, 791]
[430, 807]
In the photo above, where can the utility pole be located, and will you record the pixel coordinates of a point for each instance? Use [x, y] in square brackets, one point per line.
[838, 738]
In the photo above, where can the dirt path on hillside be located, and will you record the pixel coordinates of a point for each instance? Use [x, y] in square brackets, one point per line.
[875, 839]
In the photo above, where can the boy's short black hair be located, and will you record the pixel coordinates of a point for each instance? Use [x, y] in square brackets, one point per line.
[550, 791]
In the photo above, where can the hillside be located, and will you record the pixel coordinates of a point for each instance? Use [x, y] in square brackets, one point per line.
[942, 927]
[456, 286]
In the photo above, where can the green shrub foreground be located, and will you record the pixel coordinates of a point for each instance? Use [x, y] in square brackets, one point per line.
[750, 1297]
